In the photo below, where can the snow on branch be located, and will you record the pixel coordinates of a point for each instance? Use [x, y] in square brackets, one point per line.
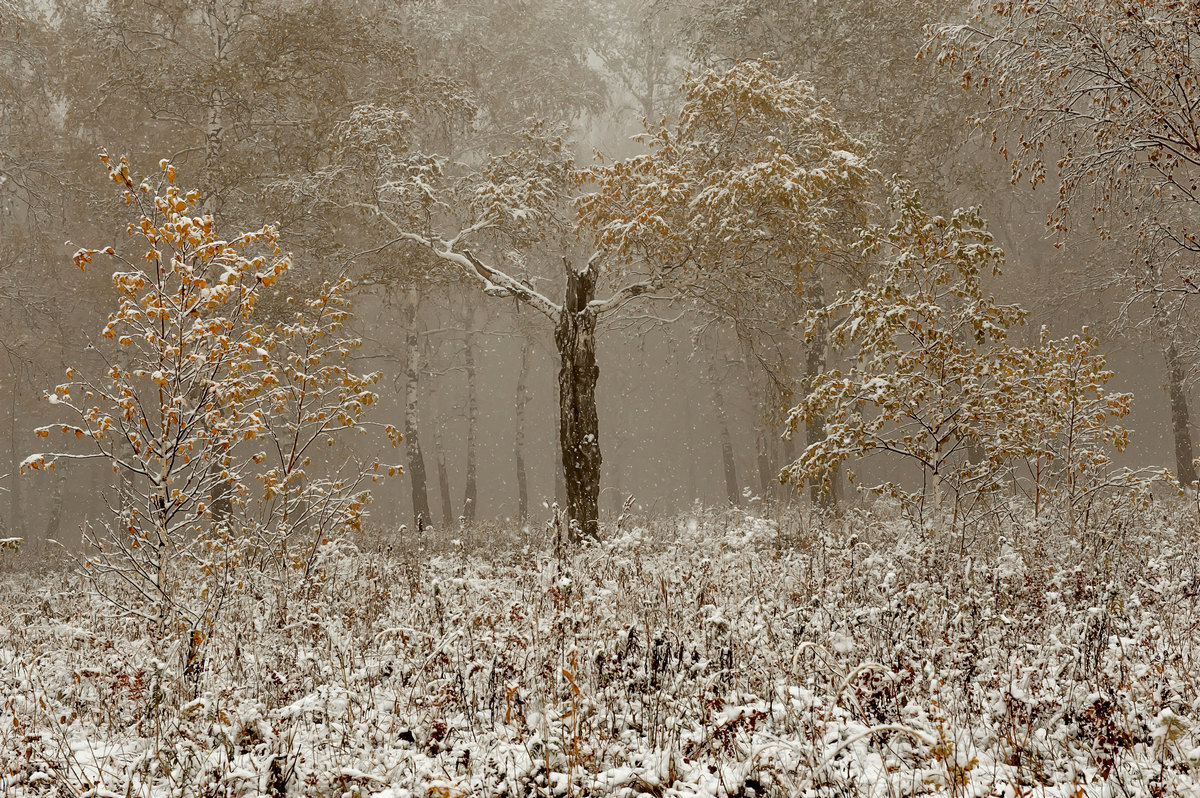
[623, 295]
[495, 282]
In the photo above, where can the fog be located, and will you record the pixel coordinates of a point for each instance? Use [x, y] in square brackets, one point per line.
[255, 105]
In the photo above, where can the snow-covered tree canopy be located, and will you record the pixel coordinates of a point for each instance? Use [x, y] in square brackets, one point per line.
[754, 169]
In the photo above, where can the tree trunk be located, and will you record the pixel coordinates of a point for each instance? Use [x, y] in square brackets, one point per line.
[1181, 426]
[519, 440]
[221, 498]
[54, 521]
[16, 521]
[764, 460]
[788, 445]
[213, 139]
[439, 453]
[727, 461]
[412, 440]
[758, 399]
[814, 363]
[471, 490]
[689, 423]
[579, 424]
[214, 121]
[560, 478]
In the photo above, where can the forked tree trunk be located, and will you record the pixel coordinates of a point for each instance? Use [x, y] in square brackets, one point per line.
[1181, 425]
[579, 424]
[471, 489]
[729, 465]
[412, 440]
[519, 439]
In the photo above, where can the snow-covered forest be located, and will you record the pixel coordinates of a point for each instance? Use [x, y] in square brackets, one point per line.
[732, 398]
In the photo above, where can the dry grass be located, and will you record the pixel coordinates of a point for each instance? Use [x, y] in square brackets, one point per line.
[711, 655]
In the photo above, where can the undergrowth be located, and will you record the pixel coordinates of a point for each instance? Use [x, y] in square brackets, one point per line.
[712, 654]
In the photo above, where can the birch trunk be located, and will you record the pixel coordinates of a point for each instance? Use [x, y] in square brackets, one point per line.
[1181, 425]
[412, 439]
[814, 363]
[519, 440]
[732, 493]
[214, 122]
[471, 490]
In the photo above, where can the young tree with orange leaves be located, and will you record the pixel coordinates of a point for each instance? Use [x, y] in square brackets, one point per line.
[202, 398]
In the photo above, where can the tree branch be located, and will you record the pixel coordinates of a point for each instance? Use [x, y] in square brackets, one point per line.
[495, 282]
[498, 283]
[632, 291]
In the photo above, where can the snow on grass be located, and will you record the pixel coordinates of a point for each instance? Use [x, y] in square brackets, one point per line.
[717, 655]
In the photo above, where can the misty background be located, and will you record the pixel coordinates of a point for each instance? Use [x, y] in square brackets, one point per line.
[246, 98]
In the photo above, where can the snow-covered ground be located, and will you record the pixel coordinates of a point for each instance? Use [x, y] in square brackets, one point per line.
[717, 655]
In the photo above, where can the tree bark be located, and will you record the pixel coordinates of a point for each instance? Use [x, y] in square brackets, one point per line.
[412, 440]
[579, 425]
[471, 489]
[787, 493]
[214, 113]
[764, 460]
[519, 440]
[1181, 426]
[560, 478]
[732, 493]
[222, 497]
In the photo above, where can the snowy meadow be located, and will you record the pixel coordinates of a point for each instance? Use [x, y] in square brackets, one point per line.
[714, 654]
